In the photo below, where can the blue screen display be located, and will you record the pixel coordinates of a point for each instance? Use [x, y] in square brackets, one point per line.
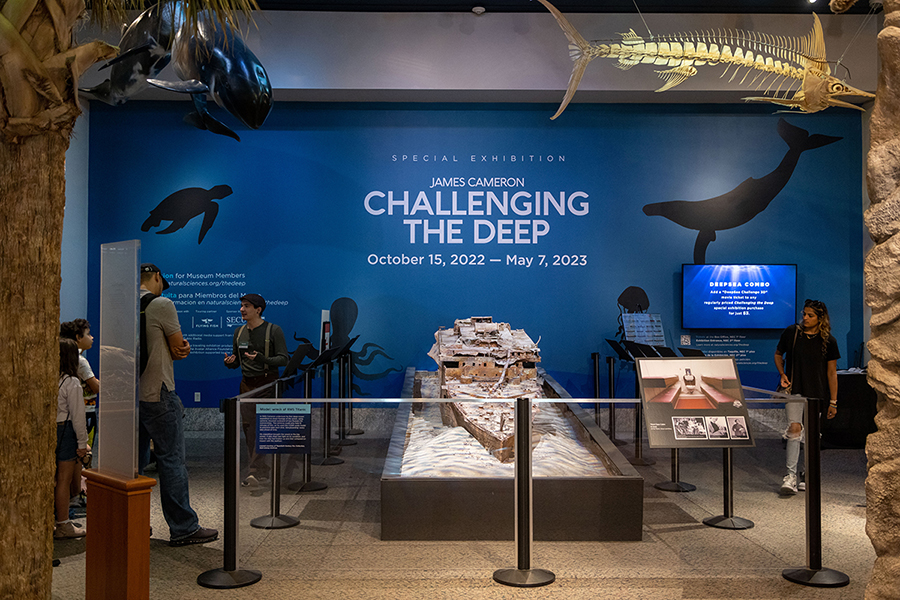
[738, 296]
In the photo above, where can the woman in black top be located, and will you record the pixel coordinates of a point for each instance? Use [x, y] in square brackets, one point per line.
[806, 358]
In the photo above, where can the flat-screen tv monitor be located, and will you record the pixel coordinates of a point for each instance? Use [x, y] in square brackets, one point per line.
[738, 296]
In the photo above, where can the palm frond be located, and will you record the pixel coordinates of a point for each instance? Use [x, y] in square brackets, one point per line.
[106, 13]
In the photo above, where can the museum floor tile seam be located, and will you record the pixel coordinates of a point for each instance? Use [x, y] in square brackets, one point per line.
[336, 552]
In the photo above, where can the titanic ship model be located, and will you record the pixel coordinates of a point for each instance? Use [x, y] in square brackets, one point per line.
[482, 359]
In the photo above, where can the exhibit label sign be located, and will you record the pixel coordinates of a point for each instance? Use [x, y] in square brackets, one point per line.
[693, 403]
[283, 428]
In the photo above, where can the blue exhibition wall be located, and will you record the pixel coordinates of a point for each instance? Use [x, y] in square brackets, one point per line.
[425, 213]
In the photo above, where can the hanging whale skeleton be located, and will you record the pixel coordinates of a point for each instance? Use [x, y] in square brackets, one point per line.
[776, 59]
[213, 60]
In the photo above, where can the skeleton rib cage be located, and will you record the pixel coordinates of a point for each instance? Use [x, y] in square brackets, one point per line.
[780, 58]
[798, 62]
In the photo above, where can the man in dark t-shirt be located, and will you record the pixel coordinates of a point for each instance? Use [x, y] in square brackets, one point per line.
[258, 349]
[806, 359]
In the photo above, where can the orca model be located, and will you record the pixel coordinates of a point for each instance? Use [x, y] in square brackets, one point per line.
[743, 202]
[217, 62]
[143, 53]
[183, 205]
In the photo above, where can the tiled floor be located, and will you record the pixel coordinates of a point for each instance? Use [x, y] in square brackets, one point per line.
[336, 551]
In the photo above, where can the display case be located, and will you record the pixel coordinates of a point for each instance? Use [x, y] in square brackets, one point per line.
[440, 483]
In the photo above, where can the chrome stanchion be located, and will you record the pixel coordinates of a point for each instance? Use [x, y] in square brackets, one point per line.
[342, 394]
[676, 485]
[523, 575]
[728, 520]
[229, 576]
[814, 574]
[351, 430]
[595, 362]
[307, 484]
[327, 458]
[639, 459]
[275, 520]
[610, 362]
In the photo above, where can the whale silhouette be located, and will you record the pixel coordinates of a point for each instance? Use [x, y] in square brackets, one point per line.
[216, 61]
[744, 202]
[144, 52]
[183, 205]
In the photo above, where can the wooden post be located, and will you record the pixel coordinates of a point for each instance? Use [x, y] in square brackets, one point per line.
[118, 539]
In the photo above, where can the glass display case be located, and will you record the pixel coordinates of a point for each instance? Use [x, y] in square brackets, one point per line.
[440, 482]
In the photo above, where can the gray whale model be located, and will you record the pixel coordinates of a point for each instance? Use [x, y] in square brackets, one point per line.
[144, 51]
[217, 62]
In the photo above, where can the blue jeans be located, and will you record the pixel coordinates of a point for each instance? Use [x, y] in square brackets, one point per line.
[163, 422]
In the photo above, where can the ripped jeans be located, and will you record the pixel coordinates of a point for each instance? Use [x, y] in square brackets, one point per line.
[794, 412]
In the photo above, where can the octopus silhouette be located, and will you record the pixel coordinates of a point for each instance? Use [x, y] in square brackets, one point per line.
[343, 314]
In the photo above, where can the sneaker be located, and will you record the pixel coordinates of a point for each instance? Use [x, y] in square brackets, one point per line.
[201, 536]
[79, 501]
[801, 486]
[789, 485]
[250, 481]
[68, 530]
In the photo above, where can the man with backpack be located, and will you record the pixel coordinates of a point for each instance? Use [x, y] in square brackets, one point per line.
[259, 349]
[161, 413]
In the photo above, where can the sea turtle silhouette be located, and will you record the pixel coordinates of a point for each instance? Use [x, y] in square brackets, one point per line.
[183, 205]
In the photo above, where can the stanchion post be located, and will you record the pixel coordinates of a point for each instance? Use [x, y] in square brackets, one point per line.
[342, 393]
[352, 430]
[327, 458]
[523, 575]
[611, 369]
[675, 485]
[595, 363]
[728, 520]
[639, 459]
[275, 520]
[307, 485]
[814, 574]
[229, 576]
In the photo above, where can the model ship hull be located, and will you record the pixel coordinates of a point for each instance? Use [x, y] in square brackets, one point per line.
[483, 359]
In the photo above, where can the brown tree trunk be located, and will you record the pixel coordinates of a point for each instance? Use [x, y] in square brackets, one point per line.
[32, 201]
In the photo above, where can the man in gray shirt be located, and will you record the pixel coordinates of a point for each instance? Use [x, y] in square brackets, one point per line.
[259, 349]
[161, 412]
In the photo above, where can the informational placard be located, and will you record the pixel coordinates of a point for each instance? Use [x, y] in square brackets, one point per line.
[644, 328]
[283, 428]
[693, 403]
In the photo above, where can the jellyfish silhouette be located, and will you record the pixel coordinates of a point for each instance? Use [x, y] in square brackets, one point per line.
[182, 206]
[634, 299]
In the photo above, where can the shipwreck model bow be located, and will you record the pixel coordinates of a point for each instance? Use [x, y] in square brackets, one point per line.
[774, 58]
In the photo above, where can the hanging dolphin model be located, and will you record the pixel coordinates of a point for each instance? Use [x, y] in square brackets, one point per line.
[798, 62]
[183, 205]
[217, 62]
[743, 202]
[144, 51]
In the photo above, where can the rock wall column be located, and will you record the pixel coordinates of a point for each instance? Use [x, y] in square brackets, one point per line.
[882, 293]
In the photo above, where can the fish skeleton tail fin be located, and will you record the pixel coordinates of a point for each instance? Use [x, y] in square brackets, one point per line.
[578, 50]
[800, 140]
